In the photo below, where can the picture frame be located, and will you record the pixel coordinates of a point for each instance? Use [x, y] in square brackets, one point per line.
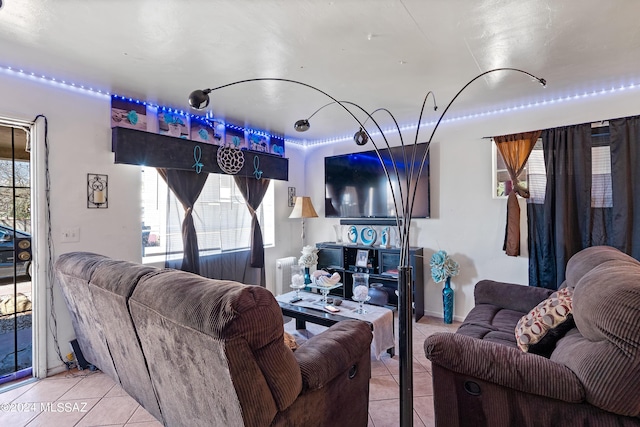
[362, 258]
[173, 124]
[258, 142]
[292, 196]
[235, 138]
[277, 146]
[128, 114]
[207, 131]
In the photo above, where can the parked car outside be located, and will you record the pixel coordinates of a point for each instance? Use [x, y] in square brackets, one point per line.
[20, 251]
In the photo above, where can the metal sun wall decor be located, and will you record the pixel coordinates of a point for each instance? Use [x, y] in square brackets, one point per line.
[230, 159]
[403, 202]
[97, 191]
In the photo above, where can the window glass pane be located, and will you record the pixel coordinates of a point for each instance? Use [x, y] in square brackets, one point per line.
[601, 193]
[502, 181]
[22, 194]
[221, 217]
[266, 216]
[6, 206]
[154, 213]
[601, 190]
[537, 174]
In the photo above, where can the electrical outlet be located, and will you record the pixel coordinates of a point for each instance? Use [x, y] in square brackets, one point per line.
[71, 234]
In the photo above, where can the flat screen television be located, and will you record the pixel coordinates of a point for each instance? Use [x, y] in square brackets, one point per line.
[357, 187]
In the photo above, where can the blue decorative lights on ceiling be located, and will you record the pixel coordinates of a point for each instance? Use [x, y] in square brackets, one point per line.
[89, 90]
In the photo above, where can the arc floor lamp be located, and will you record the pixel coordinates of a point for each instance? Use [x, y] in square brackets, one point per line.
[403, 202]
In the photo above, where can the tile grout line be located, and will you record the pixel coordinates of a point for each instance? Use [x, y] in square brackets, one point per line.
[385, 361]
[99, 400]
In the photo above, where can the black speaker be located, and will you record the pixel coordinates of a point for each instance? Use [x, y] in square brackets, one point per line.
[82, 362]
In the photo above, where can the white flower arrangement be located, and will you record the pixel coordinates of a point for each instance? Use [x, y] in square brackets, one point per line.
[309, 256]
[442, 267]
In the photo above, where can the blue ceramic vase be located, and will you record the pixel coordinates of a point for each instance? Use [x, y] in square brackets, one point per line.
[447, 301]
[307, 276]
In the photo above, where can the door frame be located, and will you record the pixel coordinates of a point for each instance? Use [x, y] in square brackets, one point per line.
[42, 268]
[40, 224]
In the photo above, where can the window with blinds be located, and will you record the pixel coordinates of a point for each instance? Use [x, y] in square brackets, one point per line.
[536, 174]
[221, 217]
[601, 190]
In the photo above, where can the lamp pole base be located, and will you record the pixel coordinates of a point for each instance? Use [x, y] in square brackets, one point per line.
[405, 341]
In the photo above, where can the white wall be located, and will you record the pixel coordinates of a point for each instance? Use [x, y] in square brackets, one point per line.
[466, 221]
[80, 143]
[288, 239]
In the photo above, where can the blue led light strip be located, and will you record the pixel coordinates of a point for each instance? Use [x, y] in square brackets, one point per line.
[18, 72]
[21, 73]
[207, 118]
[485, 113]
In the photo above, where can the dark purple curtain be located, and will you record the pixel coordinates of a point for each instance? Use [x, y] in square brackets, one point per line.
[186, 185]
[567, 221]
[575, 215]
[562, 225]
[253, 191]
[625, 182]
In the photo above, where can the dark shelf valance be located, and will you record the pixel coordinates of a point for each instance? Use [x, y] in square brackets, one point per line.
[369, 221]
[135, 147]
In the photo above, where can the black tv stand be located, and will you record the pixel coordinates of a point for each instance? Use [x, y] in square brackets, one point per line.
[382, 266]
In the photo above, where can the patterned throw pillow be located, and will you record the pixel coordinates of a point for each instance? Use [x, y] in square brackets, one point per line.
[538, 331]
[290, 341]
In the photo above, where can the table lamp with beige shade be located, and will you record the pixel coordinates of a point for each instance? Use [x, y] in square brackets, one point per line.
[303, 208]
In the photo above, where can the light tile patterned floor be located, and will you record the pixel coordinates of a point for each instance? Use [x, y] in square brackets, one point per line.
[84, 398]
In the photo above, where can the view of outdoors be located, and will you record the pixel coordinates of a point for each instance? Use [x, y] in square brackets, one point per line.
[220, 215]
[15, 266]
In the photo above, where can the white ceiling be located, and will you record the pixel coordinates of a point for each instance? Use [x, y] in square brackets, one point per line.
[376, 53]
